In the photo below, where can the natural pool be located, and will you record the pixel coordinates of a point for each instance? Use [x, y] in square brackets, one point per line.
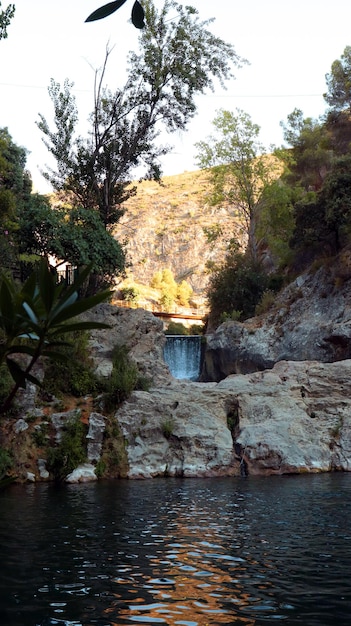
[246, 551]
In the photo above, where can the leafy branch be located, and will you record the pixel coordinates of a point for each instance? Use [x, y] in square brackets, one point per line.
[109, 8]
[33, 319]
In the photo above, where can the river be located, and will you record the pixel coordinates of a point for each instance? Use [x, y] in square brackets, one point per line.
[247, 551]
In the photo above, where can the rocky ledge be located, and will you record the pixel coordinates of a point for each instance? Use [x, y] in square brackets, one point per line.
[291, 419]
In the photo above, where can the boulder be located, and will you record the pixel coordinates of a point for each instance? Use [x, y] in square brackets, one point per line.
[84, 473]
[180, 430]
[137, 329]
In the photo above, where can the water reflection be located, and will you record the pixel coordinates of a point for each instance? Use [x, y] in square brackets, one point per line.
[192, 552]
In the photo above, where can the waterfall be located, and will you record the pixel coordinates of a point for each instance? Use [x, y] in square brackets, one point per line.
[182, 354]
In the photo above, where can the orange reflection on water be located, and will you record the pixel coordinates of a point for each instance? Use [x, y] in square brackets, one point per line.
[193, 582]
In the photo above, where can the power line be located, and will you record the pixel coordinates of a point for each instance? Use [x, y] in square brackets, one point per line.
[275, 95]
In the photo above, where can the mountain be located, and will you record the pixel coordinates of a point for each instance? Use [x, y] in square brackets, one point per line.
[172, 225]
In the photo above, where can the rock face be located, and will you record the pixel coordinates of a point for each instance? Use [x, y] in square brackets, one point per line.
[140, 331]
[178, 431]
[173, 226]
[293, 418]
[311, 320]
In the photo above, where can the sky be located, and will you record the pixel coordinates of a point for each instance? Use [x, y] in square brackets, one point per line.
[290, 47]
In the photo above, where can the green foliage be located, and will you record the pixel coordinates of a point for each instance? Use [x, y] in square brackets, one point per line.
[75, 373]
[41, 311]
[276, 222]
[6, 462]
[238, 171]
[6, 382]
[338, 80]
[130, 294]
[233, 316]
[5, 19]
[236, 287]
[40, 435]
[176, 328]
[123, 379]
[335, 197]
[310, 157]
[212, 233]
[267, 302]
[107, 9]
[196, 329]
[162, 82]
[323, 220]
[167, 427]
[70, 452]
[165, 282]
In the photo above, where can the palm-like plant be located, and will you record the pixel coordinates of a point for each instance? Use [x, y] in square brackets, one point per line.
[41, 311]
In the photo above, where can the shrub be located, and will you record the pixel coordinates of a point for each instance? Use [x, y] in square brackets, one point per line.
[176, 328]
[266, 302]
[71, 451]
[75, 375]
[196, 329]
[233, 316]
[238, 286]
[6, 462]
[167, 427]
[166, 302]
[123, 379]
[130, 294]
[6, 382]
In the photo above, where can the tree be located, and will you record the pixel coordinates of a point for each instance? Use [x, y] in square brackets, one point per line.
[310, 158]
[235, 288]
[239, 171]
[5, 19]
[137, 12]
[15, 189]
[335, 197]
[338, 80]
[178, 58]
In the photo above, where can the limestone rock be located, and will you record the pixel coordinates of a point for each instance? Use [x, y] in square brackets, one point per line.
[293, 418]
[140, 331]
[20, 426]
[95, 436]
[84, 473]
[60, 419]
[43, 472]
[177, 431]
[311, 320]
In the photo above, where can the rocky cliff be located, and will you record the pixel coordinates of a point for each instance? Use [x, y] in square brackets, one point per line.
[172, 225]
[310, 320]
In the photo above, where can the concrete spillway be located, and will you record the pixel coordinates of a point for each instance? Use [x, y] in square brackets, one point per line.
[182, 354]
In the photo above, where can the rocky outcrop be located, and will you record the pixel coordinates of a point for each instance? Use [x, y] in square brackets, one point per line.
[180, 430]
[310, 320]
[295, 417]
[138, 330]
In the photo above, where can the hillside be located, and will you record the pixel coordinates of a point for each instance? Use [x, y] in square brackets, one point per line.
[171, 225]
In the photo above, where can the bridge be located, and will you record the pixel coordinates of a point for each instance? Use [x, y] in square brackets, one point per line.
[186, 317]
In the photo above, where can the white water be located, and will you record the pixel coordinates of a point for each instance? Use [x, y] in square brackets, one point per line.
[182, 354]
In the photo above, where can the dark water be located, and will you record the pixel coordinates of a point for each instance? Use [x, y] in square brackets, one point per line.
[249, 551]
[182, 354]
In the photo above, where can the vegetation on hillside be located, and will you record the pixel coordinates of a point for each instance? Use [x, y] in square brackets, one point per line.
[302, 214]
